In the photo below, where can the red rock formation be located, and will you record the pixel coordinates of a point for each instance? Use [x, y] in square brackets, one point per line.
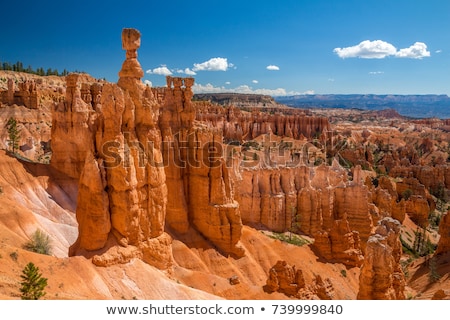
[72, 130]
[122, 196]
[285, 279]
[198, 174]
[26, 95]
[241, 125]
[430, 177]
[288, 280]
[385, 198]
[339, 244]
[128, 148]
[353, 200]
[318, 201]
[381, 275]
[444, 232]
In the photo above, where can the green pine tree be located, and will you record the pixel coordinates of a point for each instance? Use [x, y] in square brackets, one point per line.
[13, 133]
[33, 284]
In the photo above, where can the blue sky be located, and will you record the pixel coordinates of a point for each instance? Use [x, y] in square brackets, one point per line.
[272, 47]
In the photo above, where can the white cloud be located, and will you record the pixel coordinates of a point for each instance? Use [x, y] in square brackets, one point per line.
[376, 72]
[162, 70]
[255, 81]
[189, 72]
[379, 49]
[331, 79]
[438, 51]
[209, 88]
[272, 67]
[367, 49]
[186, 71]
[213, 64]
[228, 82]
[417, 51]
[148, 82]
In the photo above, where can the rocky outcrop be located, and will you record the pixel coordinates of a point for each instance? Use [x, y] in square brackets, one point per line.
[239, 125]
[285, 279]
[122, 195]
[444, 232]
[290, 281]
[339, 244]
[386, 200]
[26, 95]
[135, 149]
[198, 174]
[318, 201]
[72, 134]
[430, 177]
[418, 201]
[381, 276]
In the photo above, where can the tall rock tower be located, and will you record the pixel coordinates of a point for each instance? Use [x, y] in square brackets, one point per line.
[122, 192]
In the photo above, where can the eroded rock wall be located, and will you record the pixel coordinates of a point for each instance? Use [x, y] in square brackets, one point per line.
[381, 275]
[142, 162]
[122, 195]
[197, 172]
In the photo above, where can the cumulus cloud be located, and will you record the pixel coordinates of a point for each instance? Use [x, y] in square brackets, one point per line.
[272, 67]
[417, 51]
[189, 72]
[367, 49]
[186, 71]
[209, 88]
[228, 82]
[438, 51]
[379, 49]
[162, 70]
[255, 81]
[148, 82]
[213, 64]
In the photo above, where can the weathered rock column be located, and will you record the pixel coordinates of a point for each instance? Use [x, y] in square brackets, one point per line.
[381, 275]
[126, 165]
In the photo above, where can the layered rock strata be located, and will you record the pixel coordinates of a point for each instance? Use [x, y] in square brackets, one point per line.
[290, 281]
[122, 193]
[198, 174]
[444, 232]
[141, 161]
[318, 201]
[26, 95]
[381, 276]
[73, 122]
[239, 125]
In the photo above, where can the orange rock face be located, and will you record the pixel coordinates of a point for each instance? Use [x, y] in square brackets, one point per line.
[290, 281]
[197, 173]
[134, 149]
[122, 195]
[285, 279]
[72, 120]
[444, 231]
[317, 201]
[381, 275]
[238, 125]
